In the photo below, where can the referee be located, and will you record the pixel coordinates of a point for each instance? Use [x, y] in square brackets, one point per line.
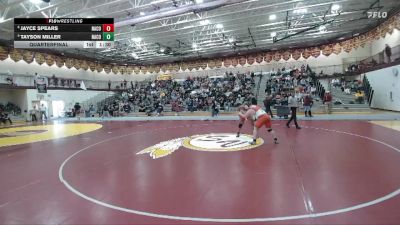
[293, 108]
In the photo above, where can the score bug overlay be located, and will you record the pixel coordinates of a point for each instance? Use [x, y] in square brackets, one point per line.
[64, 33]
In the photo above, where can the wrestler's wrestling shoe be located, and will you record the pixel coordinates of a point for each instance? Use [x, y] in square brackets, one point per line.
[254, 142]
[276, 141]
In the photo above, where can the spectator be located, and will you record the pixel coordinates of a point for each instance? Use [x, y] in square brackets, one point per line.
[4, 118]
[43, 111]
[33, 114]
[77, 110]
[268, 104]
[328, 102]
[109, 85]
[388, 52]
[307, 103]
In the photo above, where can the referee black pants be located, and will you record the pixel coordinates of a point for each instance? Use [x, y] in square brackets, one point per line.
[293, 116]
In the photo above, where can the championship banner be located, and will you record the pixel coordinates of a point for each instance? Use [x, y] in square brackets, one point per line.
[385, 28]
[136, 69]
[296, 54]
[391, 24]
[396, 22]
[77, 64]
[176, 67]
[227, 62]
[92, 66]
[203, 64]
[122, 69]
[99, 67]
[277, 56]
[242, 60]
[184, 66]
[157, 68]
[129, 70]
[307, 53]
[211, 64]
[259, 58]
[218, 63]
[41, 84]
[151, 69]
[286, 55]
[84, 65]
[315, 52]
[49, 59]
[347, 45]
[143, 69]
[337, 49]
[28, 56]
[69, 63]
[107, 68]
[39, 58]
[356, 42]
[362, 39]
[3, 53]
[250, 59]
[59, 61]
[268, 57]
[115, 69]
[234, 61]
[327, 49]
[16, 55]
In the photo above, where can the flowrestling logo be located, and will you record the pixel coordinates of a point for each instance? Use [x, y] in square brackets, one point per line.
[220, 142]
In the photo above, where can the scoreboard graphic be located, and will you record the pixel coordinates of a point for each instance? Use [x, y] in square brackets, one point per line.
[63, 32]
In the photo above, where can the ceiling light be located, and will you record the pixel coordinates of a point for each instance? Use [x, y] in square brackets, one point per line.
[137, 39]
[1, 19]
[199, 1]
[231, 40]
[335, 7]
[219, 26]
[204, 22]
[273, 34]
[300, 11]
[322, 29]
[356, 34]
[142, 13]
[272, 17]
[35, 1]
[194, 45]
[162, 50]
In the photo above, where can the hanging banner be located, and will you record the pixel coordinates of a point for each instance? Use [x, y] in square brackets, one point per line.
[129, 70]
[268, 57]
[92, 66]
[286, 55]
[49, 59]
[296, 54]
[211, 64]
[99, 67]
[315, 52]
[327, 49]
[115, 69]
[234, 61]
[337, 48]
[39, 58]
[122, 70]
[107, 68]
[77, 64]
[143, 69]
[362, 40]
[227, 62]
[69, 63]
[259, 58]
[277, 56]
[59, 61]
[347, 45]
[136, 69]
[307, 53]
[250, 60]
[242, 60]
[28, 56]
[3, 53]
[176, 66]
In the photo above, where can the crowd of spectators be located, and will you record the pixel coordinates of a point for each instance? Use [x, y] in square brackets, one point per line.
[191, 94]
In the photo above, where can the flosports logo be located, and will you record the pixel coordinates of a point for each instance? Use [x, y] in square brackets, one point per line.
[221, 142]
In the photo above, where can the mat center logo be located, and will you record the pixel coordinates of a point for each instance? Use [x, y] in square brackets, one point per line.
[220, 142]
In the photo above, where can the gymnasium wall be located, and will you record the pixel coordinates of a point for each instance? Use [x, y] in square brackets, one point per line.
[16, 96]
[386, 86]
[70, 97]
